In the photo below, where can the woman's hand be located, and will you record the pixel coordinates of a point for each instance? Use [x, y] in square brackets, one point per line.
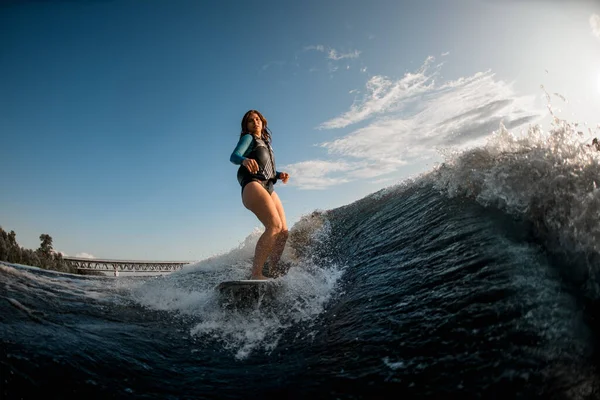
[284, 176]
[251, 165]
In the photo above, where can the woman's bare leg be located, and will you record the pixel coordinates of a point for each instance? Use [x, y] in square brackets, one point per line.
[281, 238]
[257, 200]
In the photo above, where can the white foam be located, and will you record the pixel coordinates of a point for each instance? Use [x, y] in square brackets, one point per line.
[551, 178]
[301, 296]
[393, 365]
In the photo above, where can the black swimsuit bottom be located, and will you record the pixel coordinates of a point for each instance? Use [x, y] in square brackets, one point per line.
[268, 185]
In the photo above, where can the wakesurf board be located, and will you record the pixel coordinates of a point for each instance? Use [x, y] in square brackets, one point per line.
[247, 292]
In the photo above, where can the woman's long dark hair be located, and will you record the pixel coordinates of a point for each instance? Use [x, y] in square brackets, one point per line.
[266, 133]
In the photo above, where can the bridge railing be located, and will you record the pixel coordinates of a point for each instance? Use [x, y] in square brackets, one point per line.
[116, 266]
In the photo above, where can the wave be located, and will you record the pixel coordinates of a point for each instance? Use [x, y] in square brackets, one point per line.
[549, 179]
[450, 284]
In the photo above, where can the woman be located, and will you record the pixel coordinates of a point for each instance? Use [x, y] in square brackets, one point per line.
[257, 175]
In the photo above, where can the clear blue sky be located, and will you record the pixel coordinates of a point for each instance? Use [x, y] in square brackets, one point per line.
[117, 118]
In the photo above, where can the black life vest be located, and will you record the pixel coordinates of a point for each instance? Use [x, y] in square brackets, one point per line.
[261, 151]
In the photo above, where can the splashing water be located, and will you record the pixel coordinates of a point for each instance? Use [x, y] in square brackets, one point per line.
[303, 293]
[549, 178]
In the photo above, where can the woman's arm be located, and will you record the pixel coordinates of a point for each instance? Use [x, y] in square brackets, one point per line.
[284, 176]
[237, 157]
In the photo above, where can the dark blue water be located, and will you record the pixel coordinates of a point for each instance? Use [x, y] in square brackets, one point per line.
[477, 280]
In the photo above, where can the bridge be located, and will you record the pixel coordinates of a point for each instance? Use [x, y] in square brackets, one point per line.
[116, 266]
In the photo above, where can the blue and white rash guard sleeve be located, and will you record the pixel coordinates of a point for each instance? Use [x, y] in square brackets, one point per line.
[238, 153]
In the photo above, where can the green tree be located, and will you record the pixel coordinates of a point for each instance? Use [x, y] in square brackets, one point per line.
[30, 257]
[13, 248]
[12, 239]
[46, 246]
[3, 246]
[43, 257]
[14, 255]
[61, 265]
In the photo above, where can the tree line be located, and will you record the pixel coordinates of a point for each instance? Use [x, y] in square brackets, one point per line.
[44, 257]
